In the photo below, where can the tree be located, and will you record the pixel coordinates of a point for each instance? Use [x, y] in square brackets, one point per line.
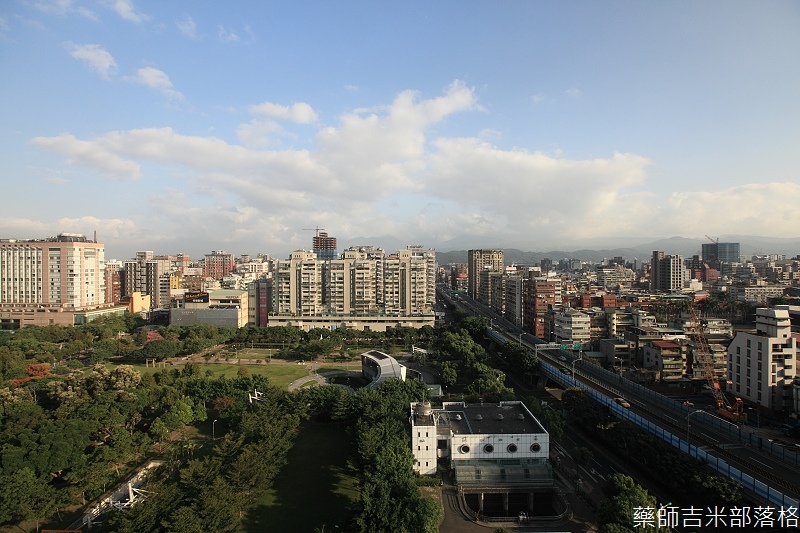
[448, 374]
[624, 496]
[582, 455]
[124, 377]
[159, 430]
[180, 414]
[159, 350]
[24, 496]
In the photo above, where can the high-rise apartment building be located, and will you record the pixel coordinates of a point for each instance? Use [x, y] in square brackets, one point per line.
[667, 272]
[363, 282]
[351, 284]
[298, 285]
[218, 264]
[405, 284]
[541, 295]
[478, 261]
[721, 252]
[762, 364]
[324, 246]
[513, 300]
[67, 271]
[148, 274]
[429, 256]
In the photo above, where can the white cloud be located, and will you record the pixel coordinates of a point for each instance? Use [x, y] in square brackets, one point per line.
[64, 7]
[574, 92]
[187, 26]
[91, 154]
[126, 10]
[376, 172]
[258, 132]
[301, 112]
[96, 57]
[155, 79]
[538, 98]
[226, 35]
[113, 228]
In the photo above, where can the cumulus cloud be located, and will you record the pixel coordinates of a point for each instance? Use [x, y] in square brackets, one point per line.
[95, 57]
[90, 154]
[574, 92]
[187, 27]
[155, 79]
[301, 112]
[25, 228]
[258, 132]
[377, 171]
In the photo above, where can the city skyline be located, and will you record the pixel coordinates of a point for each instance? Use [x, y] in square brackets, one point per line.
[189, 127]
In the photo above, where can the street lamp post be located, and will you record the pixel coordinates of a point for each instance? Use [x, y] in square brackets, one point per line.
[688, 426]
[213, 430]
[573, 365]
[520, 339]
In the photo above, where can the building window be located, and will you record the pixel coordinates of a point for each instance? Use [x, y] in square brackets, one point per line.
[488, 448]
[512, 448]
[463, 448]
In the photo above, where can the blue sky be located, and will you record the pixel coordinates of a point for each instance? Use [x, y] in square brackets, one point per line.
[195, 126]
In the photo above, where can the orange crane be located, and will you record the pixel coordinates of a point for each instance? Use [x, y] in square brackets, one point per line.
[733, 412]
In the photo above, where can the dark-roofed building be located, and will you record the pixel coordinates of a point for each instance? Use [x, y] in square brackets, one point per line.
[497, 452]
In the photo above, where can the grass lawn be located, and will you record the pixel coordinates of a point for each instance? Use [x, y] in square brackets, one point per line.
[316, 488]
[280, 375]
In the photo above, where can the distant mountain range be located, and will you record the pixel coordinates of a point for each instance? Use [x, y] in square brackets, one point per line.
[455, 251]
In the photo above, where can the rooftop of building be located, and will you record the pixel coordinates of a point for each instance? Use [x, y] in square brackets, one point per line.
[61, 237]
[665, 344]
[486, 418]
[226, 293]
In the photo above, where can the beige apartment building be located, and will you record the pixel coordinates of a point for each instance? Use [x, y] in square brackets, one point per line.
[762, 364]
[478, 261]
[364, 288]
[58, 280]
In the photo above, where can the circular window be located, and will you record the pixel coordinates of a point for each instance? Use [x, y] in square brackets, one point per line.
[535, 447]
[512, 448]
[464, 448]
[488, 448]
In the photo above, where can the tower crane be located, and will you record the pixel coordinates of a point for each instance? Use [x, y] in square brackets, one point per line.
[317, 229]
[733, 412]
